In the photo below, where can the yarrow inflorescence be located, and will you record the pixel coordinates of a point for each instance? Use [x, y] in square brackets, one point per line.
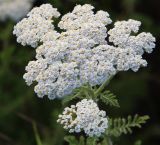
[80, 53]
[84, 116]
[14, 9]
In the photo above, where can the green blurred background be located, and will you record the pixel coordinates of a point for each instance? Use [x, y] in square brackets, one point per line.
[137, 92]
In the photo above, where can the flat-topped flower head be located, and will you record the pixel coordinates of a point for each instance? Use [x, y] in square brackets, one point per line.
[84, 116]
[14, 9]
[81, 53]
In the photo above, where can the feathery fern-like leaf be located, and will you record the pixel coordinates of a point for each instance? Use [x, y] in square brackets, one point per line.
[109, 99]
[123, 126]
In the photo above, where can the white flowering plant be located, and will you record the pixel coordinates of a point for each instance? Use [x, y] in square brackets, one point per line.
[78, 62]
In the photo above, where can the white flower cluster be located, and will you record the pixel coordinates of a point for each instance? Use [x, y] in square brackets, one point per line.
[81, 53]
[14, 9]
[84, 116]
[130, 48]
[37, 27]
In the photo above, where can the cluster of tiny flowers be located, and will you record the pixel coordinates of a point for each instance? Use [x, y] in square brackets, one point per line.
[81, 53]
[84, 116]
[14, 9]
[130, 48]
[37, 27]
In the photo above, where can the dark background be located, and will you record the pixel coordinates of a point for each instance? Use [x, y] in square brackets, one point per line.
[137, 92]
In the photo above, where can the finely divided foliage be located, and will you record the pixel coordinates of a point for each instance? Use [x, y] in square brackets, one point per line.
[14, 9]
[120, 126]
[80, 54]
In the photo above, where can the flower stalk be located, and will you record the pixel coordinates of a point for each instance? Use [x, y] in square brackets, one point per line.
[102, 87]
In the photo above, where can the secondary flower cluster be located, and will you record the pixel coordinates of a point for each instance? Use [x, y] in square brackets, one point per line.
[84, 116]
[14, 9]
[81, 53]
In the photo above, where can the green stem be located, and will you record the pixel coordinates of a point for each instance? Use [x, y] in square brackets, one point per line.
[37, 137]
[87, 95]
[107, 141]
[100, 89]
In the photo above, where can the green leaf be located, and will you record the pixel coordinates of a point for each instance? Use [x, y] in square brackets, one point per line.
[123, 126]
[109, 99]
